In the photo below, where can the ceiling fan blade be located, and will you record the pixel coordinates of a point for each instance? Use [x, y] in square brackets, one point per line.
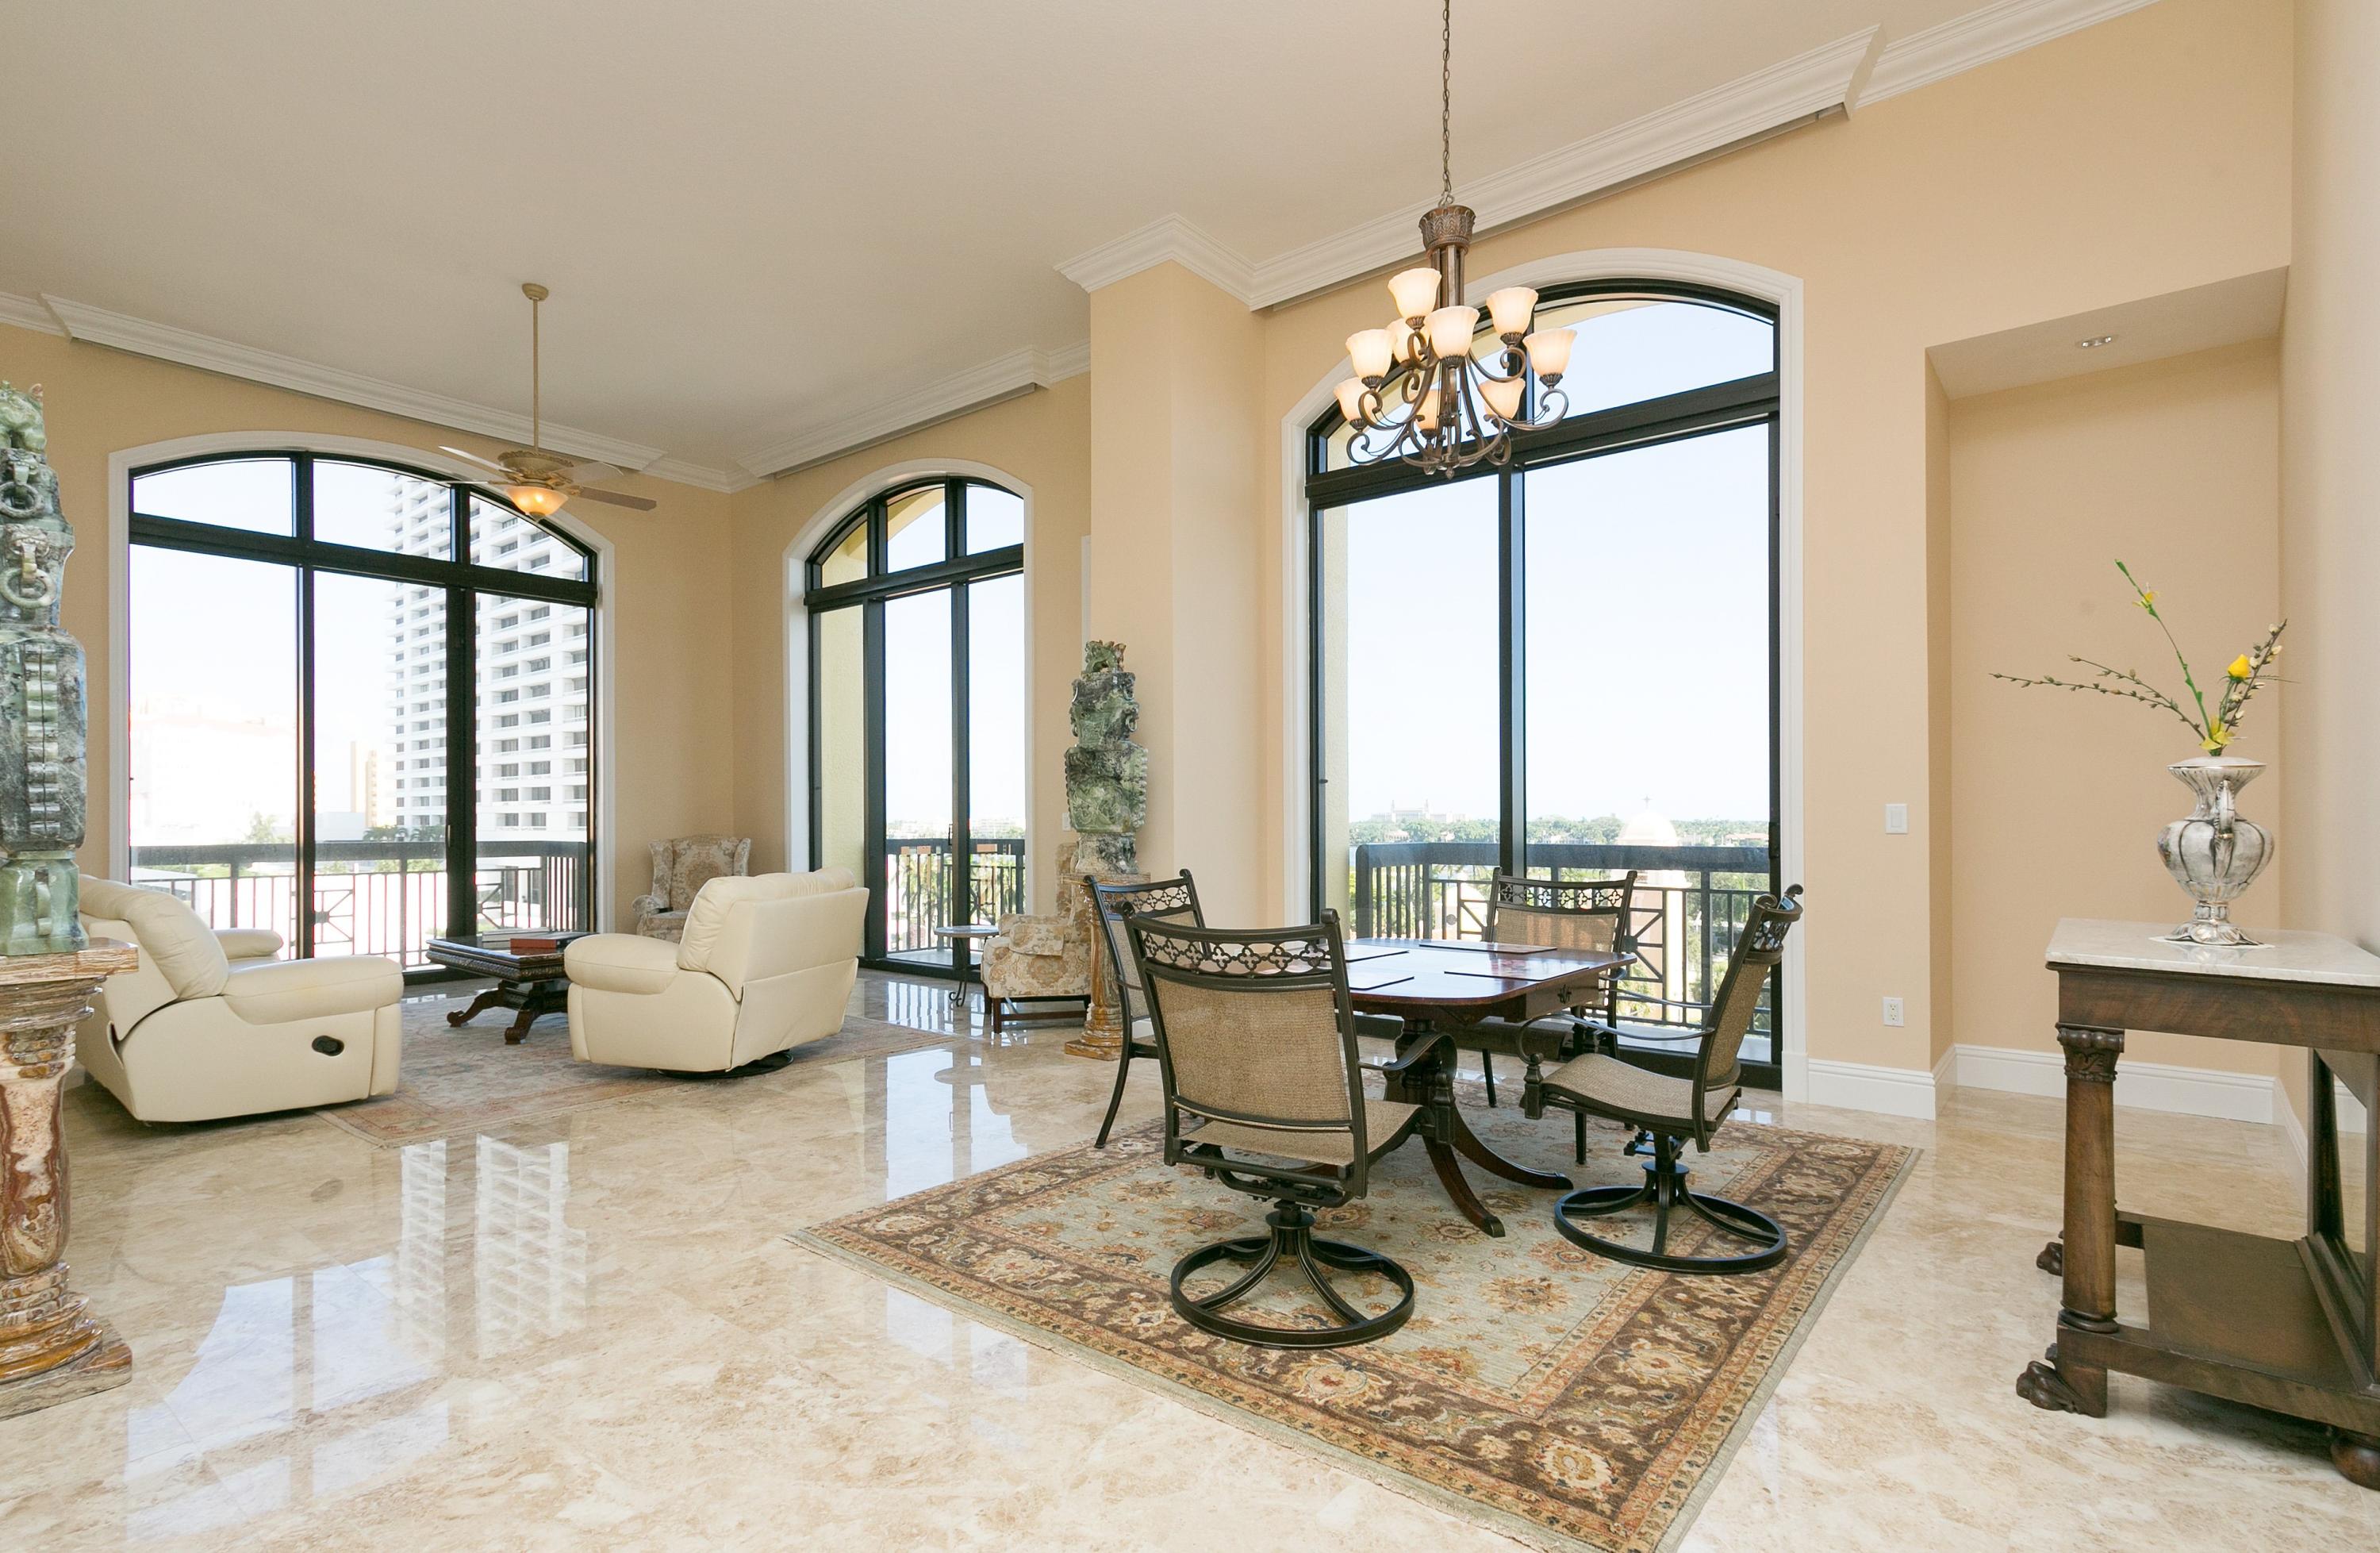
[474, 457]
[616, 499]
[592, 471]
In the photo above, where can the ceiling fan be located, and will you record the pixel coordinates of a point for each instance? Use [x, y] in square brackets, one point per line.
[537, 481]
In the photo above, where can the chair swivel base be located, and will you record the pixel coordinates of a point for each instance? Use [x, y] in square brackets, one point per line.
[1665, 1186]
[1293, 1240]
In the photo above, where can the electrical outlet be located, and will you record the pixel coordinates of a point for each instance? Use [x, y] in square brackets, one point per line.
[1895, 819]
[1892, 1011]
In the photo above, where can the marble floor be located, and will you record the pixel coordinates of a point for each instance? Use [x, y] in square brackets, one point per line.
[590, 1333]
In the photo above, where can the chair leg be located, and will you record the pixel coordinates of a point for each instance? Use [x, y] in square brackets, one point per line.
[1292, 1241]
[1578, 1120]
[1488, 1074]
[1123, 1067]
[1665, 1185]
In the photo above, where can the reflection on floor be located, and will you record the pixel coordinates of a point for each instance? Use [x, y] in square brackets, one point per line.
[588, 1332]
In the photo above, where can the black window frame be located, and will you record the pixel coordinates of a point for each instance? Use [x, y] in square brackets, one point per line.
[870, 593]
[1700, 412]
[461, 581]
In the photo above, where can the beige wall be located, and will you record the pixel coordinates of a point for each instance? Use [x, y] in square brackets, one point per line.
[668, 569]
[2139, 156]
[2330, 486]
[2056, 796]
[1040, 441]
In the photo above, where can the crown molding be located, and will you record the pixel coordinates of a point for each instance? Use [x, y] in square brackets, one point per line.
[1172, 238]
[701, 476]
[1980, 37]
[27, 313]
[97, 325]
[1004, 377]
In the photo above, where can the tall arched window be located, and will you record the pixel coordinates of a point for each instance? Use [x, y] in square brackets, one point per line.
[916, 628]
[1566, 666]
[357, 687]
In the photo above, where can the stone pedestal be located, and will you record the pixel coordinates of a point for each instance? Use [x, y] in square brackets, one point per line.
[51, 1347]
[1102, 1035]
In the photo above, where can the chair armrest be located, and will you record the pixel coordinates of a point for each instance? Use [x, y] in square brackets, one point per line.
[249, 943]
[1426, 1044]
[277, 991]
[621, 963]
[1639, 1033]
[645, 906]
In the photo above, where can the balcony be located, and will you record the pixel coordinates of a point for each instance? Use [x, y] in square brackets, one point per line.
[386, 898]
[918, 892]
[1690, 904]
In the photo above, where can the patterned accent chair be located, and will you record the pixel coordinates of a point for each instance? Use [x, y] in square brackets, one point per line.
[1040, 959]
[681, 867]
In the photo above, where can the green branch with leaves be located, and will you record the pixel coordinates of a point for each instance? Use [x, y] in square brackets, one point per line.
[2241, 678]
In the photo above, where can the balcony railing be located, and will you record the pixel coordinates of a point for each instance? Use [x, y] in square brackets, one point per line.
[919, 893]
[385, 898]
[1690, 904]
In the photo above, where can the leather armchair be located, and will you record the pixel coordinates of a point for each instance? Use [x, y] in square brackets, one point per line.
[763, 965]
[211, 1025]
[681, 867]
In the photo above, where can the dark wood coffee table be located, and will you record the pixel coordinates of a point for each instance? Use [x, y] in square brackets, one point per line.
[533, 983]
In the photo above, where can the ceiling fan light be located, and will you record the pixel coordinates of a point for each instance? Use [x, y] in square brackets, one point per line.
[1512, 309]
[1368, 349]
[1549, 352]
[538, 501]
[1415, 291]
[1450, 329]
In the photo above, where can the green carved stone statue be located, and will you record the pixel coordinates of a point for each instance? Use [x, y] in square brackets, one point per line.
[1107, 774]
[43, 771]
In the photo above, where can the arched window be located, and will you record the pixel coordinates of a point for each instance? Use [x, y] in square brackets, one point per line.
[355, 686]
[917, 763]
[1565, 665]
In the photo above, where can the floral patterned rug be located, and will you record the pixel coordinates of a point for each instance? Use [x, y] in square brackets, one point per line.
[1563, 1397]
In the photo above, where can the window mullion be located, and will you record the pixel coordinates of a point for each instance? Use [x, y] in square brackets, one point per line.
[1512, 541]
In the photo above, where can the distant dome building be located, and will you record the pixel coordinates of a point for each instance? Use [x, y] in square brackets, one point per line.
[1648, 829]
[1660, 899]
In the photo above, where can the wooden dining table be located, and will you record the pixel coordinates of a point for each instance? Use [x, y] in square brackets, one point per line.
[1449, 987]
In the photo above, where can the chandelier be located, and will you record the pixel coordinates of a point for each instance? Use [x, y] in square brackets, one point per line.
[1418, 394]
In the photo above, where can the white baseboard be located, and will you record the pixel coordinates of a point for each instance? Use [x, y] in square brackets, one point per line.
[2148, 1086]
[1865, 1086]
[2293, 1134]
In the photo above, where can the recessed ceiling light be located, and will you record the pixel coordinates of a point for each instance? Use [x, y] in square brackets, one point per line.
[2095, 342]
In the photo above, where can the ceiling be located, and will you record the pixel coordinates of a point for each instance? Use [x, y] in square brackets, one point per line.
[756, 216]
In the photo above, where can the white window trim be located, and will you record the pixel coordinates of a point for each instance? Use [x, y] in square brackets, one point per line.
[112, 749]
[1654, 264]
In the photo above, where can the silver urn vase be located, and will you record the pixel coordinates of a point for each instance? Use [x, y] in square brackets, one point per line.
[2214, 854]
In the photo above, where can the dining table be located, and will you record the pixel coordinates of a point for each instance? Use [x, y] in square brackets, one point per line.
[1448, 987]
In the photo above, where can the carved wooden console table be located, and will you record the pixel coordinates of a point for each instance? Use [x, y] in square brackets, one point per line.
[51, 1347]
[2284, 1325]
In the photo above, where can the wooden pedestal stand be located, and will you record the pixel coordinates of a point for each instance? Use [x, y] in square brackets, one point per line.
[52, 1349]
[1102, 1036]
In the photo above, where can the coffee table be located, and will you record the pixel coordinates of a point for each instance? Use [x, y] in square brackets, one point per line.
[533, 982]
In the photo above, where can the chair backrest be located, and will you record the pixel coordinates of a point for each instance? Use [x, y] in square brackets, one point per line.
[1163, 900]
[750, 929]
[683, 865]
[1562, 915]
[1254, 1027]
[180, 955]
[1758, 947]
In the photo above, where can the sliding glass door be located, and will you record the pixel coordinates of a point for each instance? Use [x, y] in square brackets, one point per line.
[361, 706]
[916, 700]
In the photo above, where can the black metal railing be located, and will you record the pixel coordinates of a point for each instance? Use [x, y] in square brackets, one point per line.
[385, 898]
[919, 889]
[1690, 904]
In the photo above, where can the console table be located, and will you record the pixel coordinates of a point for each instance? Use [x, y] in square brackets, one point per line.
[2284, 1325]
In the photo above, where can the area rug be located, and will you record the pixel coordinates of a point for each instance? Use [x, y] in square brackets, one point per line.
[1565, 1399]
[466, 1080]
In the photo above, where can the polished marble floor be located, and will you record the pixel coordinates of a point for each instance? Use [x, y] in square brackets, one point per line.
[590, 1333]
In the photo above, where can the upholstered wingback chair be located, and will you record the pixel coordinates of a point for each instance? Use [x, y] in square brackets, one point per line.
[681, 867]
[210, 1025]
[1038, 959]
[764, 964]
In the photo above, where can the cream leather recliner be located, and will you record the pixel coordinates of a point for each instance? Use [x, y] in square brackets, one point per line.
[211, 1025]
[765, 964]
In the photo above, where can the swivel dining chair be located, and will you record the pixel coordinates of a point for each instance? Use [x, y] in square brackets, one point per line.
[1264, 1093]
[1673, 1109]
[1591, 914]
[1175, 901]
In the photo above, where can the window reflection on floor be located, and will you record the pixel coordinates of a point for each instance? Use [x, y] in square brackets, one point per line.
[929, 1136]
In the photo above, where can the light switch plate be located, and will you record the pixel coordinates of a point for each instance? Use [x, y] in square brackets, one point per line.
[1892, 1011]
[1895, 819]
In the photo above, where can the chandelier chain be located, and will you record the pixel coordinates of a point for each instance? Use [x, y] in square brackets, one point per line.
[1445, 104]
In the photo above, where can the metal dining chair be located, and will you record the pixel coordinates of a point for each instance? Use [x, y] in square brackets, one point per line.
[1173, 900]
[1589, 914]
[1264, 1092]
[1673, 1109]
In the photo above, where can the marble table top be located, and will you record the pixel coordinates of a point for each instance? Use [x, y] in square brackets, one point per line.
[2285, 956]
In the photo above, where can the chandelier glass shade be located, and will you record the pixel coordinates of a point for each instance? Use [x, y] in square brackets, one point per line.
[1419, 392]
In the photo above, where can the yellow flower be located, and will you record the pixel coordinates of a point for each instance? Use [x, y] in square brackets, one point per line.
[2241, 667]
[2148, 600]
[2213, 742]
